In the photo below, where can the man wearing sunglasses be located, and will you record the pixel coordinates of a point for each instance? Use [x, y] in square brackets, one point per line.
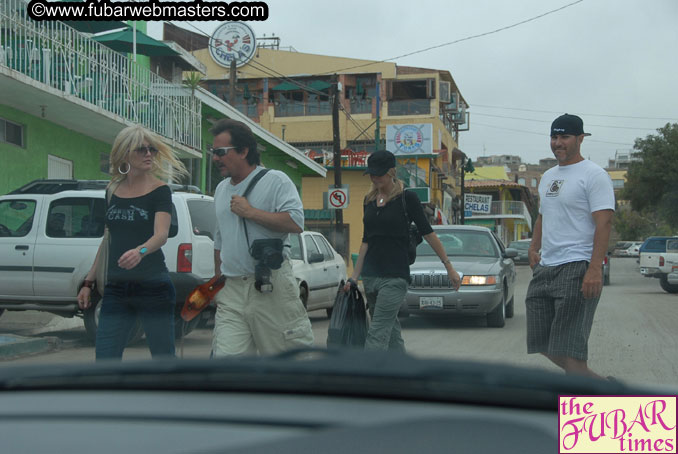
[248, 320]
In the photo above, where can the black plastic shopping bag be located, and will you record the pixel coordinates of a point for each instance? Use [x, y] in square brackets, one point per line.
[348, 324]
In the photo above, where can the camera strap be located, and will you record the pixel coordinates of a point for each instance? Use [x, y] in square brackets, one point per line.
[249, 188]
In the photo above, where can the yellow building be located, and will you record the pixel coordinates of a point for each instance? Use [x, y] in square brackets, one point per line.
[618, 178]
[513, 206]
[288, 93]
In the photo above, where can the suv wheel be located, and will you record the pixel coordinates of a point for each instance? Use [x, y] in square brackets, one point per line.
[92, 322]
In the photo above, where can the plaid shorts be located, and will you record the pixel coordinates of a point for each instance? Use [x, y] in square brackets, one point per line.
[559, 318]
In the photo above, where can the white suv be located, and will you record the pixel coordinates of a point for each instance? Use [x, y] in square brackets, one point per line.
[49, 234]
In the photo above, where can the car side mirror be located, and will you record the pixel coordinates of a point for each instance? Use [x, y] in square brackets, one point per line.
[510, 253]
[316, 258]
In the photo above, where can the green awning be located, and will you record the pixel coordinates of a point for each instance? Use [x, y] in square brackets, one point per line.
[319, 85]
[286, 86]
[122, 41]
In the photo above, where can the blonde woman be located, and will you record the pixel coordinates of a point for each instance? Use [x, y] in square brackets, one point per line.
[383, 259]
[138, 221]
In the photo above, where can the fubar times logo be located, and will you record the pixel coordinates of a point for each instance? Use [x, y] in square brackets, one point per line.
[617, 424]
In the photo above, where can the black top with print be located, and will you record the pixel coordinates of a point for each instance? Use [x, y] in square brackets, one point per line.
[385, 232]
[131, 222]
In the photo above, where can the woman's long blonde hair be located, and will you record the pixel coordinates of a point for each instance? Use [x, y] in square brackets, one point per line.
[398, 188]
[165, 164]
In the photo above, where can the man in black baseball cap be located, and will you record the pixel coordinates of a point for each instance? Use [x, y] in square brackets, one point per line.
[569, 244]
[567, 134]
[380, 162]
[567, 124]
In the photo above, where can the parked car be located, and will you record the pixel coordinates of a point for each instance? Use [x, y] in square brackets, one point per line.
[485, 266]
[633, 250]
[50, 231]
[319, 270]
[606, 269]
[653, 262]
[621, 248]
[521, 246]
[672, 277]
[670, 283]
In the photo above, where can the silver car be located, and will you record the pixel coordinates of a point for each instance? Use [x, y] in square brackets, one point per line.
[485, 266]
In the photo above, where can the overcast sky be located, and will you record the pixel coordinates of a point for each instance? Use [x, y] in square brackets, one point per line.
[596, 58]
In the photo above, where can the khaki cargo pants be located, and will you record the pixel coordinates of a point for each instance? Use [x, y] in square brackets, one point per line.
[248, 322]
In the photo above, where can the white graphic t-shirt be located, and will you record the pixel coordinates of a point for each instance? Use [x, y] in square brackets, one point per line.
[568, 195]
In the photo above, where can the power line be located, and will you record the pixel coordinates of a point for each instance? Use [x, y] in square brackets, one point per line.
[579, 113]
[273, 72]
[548, 121]
[459, 40]
[301, 85]
[542, 134]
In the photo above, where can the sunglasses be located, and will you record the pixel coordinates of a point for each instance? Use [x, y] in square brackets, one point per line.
[221, 151]
[143, 150]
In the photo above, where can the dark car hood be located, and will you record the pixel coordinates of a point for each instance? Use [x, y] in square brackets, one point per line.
[341, 372]
[463, 265]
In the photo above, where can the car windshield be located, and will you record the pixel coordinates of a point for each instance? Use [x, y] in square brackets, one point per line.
[531, 136]
[520, 245]
[462, 243]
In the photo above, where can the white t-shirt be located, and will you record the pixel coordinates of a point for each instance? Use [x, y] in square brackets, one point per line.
[274, 193]
[568, 195]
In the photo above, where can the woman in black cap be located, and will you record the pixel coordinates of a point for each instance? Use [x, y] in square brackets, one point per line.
[383, 259]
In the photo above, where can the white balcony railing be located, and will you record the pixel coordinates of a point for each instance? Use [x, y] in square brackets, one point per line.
[508, 209]
[56, 55]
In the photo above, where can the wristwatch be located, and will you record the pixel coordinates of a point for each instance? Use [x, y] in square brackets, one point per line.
[88, 284]
[142, 251]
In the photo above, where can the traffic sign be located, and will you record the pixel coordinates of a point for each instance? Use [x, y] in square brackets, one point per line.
[337, 198]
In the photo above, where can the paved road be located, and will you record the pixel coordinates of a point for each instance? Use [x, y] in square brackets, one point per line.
[634, 336]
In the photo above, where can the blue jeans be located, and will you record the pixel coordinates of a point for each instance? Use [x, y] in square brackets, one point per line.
[152, 301]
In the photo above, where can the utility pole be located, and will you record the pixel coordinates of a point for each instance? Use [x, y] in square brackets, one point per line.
[377, 131]
[463, 166]
[231, 84]
[334, 90]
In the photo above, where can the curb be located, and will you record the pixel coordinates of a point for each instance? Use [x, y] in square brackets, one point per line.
[12, 347]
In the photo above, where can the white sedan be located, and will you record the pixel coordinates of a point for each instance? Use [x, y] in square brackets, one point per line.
[319, 270]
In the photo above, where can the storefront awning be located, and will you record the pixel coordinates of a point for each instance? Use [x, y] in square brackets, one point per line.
[318, 85]
[286, 86]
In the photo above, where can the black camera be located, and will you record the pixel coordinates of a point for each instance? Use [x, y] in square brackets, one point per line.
[269, 254]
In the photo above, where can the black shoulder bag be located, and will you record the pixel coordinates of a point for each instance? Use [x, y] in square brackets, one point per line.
[414, 238]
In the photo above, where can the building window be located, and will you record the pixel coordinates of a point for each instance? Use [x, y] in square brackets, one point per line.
[534, 182]
[617, 184]
[361, 95]
[521, 181]
[410, 97]
[11, 132]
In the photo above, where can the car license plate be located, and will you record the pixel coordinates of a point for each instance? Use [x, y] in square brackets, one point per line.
[430, 302]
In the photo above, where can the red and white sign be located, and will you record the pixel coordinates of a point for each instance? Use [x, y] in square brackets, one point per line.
[337, 198]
